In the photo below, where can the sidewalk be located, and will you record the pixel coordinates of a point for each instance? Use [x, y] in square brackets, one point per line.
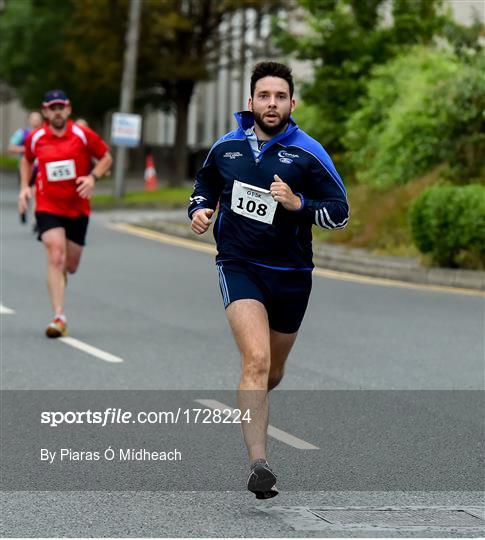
[330, 256]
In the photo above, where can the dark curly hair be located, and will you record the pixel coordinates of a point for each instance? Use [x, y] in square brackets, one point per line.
[271, 69]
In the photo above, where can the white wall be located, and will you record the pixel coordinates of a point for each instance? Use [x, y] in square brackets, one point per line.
[463, 10]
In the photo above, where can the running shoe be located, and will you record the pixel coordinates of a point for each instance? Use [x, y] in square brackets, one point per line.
[57, 328]
[262, 480]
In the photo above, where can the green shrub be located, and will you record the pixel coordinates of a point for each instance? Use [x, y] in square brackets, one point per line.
[465, 120]
[421, 109]
[448, 223]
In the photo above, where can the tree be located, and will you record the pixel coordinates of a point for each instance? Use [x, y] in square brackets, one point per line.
[178, 37]
[78, 46]
[45, 45]
[181, 46]
[346, 38]
[421, 109]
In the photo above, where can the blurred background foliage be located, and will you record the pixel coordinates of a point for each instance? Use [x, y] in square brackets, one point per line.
[396, 92]
[398, 100]
[420, 109]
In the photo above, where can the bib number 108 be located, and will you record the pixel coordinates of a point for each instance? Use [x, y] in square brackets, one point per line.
[252, 207]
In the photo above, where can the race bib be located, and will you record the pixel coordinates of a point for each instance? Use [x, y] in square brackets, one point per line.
[253, 202]
[60, 170]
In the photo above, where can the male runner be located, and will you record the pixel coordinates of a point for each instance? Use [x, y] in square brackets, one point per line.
[272, 182]
[16, 144]
[64, 185]
[17, 147]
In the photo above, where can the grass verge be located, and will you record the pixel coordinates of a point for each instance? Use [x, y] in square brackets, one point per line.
[164, 198]
[9, 163]
[379, 218]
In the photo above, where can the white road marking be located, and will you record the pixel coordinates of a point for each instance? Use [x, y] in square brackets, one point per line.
[89, 349]
[274, 432]
[321, 272]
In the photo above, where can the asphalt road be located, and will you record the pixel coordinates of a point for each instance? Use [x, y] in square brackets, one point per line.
[384, 381]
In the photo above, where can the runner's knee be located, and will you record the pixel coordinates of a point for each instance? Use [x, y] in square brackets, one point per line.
[72, 266]
[256, 365]
[274, 378]
[56, 255]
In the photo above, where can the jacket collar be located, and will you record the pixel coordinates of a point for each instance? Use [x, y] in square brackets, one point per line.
[245, 121]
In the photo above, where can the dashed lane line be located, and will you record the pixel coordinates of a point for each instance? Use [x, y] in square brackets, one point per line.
[274, 432]
[4, 310]
[89, 349]
[76, 343]
[195, 245]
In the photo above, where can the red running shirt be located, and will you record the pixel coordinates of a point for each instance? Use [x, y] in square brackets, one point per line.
[61, 161]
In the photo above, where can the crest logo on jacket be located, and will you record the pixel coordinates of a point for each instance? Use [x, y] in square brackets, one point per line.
[286, 157]
[232, 155]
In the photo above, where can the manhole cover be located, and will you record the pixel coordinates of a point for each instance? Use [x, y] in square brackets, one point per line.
[464, 520]
[397, 518]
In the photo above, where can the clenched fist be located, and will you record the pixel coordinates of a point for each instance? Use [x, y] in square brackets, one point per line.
[201, 220]
[85, 186]
[23, 201]
[282, 193]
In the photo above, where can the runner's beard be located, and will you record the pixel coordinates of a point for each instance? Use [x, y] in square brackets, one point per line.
[271, 130]
[58, 122]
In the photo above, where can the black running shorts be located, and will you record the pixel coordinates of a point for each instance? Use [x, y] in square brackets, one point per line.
[284, 293]
[75, 228]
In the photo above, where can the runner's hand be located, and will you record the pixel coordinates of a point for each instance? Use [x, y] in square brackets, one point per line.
[24, 196]
[282, 193]
[201, 220]
[85, 186]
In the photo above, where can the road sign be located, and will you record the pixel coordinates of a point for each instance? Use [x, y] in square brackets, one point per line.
[126, 129]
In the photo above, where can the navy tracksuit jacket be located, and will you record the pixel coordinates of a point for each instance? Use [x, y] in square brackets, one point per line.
[299, 161]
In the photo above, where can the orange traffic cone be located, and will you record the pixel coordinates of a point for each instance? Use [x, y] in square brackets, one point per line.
[150, 174]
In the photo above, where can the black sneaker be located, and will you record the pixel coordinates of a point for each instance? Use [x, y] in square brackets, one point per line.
[262, 480]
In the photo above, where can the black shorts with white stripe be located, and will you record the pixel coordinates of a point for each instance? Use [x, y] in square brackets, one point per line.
[284, 293]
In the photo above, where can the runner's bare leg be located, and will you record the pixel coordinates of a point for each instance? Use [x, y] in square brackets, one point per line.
[54, 241]
[73, 256]
[280, 345]
[249, 323]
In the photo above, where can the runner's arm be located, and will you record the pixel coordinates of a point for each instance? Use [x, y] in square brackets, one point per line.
[25, 172]
[324, 202]
[208, 186]
[25, 192]
[16, 149]
[16, 144]
[85, 184]
[99, 150]
[103, 165]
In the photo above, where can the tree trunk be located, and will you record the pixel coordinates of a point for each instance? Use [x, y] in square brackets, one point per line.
[183, 95]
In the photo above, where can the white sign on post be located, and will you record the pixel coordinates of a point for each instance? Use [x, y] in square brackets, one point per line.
[126, 129]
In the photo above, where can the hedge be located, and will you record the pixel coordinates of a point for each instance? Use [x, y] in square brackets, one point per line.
[448, 223]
